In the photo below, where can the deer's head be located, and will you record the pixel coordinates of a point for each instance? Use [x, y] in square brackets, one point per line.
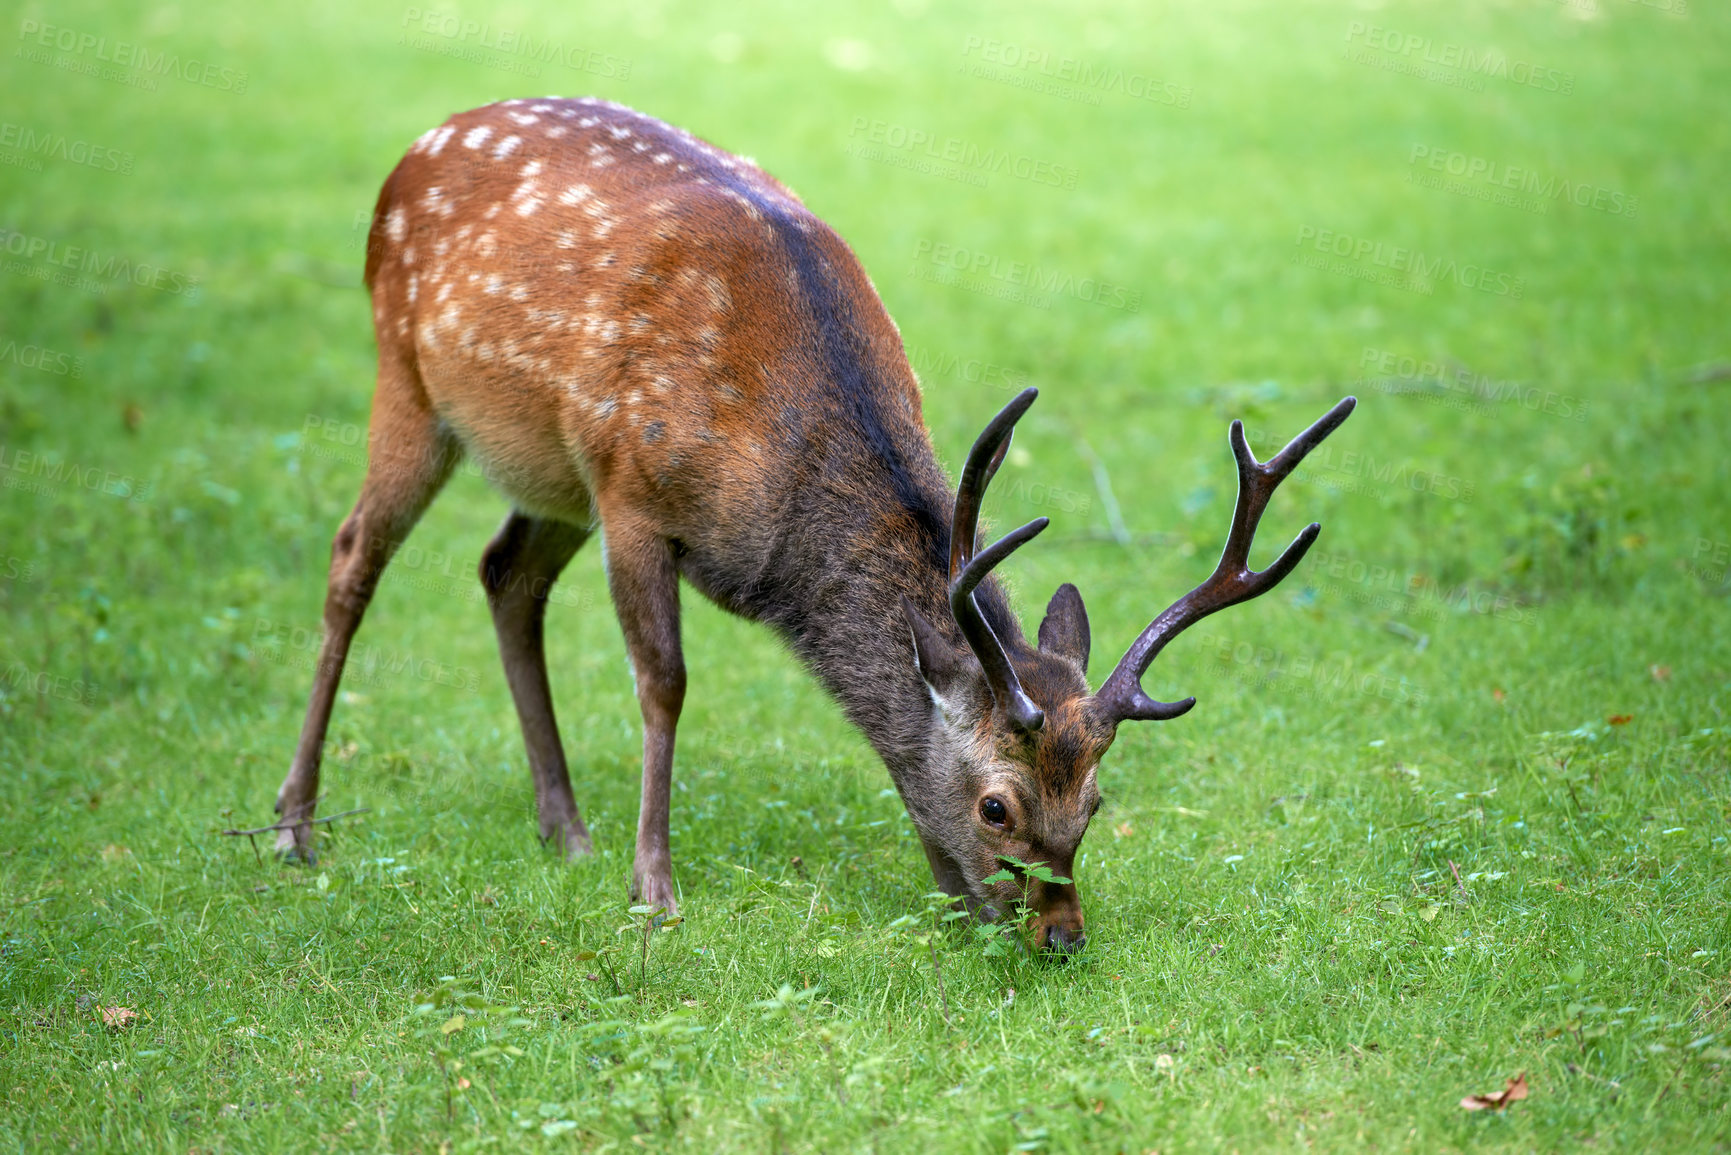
[1018, 735]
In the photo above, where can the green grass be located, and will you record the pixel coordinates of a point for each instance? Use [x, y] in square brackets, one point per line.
[1397, 855]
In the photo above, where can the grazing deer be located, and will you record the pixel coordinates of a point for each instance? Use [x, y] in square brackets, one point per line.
[636, 332]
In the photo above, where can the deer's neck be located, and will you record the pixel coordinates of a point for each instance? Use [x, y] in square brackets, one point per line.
[849, 626]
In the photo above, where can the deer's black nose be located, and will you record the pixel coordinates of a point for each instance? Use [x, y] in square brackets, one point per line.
[1064, 940]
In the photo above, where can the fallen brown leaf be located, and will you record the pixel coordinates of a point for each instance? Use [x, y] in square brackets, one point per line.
[1620, 719]
[1497, 1100]
[1123, 830]
[118, 1017]
[1660, 673]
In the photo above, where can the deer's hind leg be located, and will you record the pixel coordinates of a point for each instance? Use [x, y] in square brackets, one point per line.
[409, 457]
[518, 570]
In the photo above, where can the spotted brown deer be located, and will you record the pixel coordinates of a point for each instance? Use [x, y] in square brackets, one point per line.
[636, 332]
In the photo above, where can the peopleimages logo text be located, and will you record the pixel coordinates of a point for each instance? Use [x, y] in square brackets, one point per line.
[1522, 179]
[79, 259]
[514, 42]
[56, 146]
[1414, 262]
[125, 54]
[1414, 47]
[1025, 275]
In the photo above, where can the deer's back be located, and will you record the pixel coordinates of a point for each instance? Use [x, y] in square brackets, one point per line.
[619, 319]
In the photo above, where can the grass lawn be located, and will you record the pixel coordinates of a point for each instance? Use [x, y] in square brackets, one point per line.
[1453, 804]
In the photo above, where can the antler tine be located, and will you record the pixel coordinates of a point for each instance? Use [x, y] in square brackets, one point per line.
[968, 569]
[1000, 675]
[1232, 581]
[983, 461]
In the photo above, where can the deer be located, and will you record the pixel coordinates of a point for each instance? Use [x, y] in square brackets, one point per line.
[640, 334]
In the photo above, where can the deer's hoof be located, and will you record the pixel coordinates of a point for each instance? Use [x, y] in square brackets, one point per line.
[290, 849]
[655, 891]
[577, 845]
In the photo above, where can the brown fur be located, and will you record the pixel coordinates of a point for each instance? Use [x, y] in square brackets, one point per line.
[636, 332]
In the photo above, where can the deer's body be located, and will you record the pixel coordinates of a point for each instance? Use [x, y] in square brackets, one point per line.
[631, 329]
[635, 332]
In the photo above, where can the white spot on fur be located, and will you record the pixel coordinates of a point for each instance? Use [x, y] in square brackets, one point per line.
[719, 298]
[477, 136]
[494, 282]
[507, 147]
[524, 118]
[396, 225]
[662, 157]
[557, 131]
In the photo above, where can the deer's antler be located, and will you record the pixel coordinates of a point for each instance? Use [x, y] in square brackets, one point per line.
[968, 568]
[1121, 698]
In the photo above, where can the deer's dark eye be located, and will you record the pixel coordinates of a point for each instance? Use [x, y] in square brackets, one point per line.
[994, 811]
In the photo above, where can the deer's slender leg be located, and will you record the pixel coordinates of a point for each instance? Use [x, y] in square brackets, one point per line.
[408, 459]
[645, 586]
[518, 570]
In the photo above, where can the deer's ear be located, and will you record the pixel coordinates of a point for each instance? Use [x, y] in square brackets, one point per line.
[941, 664]
[1064, 631]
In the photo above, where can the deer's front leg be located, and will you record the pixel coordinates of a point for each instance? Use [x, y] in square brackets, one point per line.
[645, 586]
